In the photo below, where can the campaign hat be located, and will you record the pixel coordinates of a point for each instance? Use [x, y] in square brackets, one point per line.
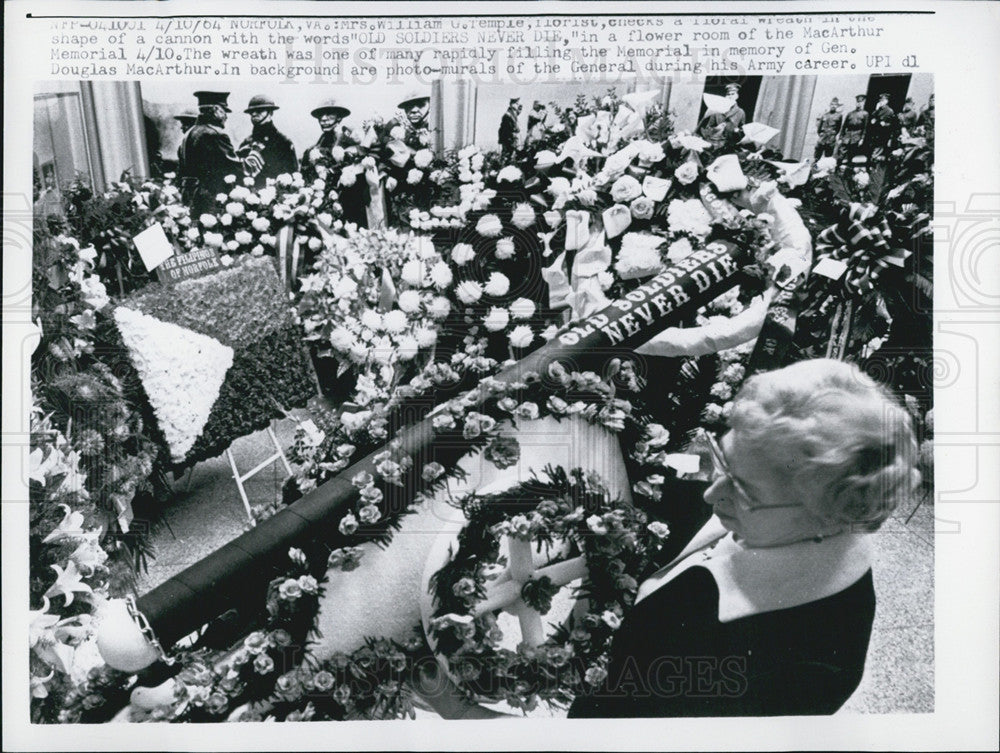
[330, 106]
[413, 98]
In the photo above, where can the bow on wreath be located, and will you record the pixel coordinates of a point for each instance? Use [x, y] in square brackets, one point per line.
[862, 241]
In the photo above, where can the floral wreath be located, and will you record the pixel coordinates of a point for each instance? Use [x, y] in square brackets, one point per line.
[618, 543]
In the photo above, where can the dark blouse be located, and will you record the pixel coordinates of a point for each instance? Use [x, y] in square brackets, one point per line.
[672, 657]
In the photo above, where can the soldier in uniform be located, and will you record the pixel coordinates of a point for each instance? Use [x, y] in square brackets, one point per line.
[509, 129]
[723, 128]
[852, 133]
[187, 120]
[882, 128]
[416, 107]
[206, 155]
[908, 115]
[828, 126]
[329, 156]
[275, 148]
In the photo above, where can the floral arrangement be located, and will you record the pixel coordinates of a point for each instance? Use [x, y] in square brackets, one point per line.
[108, 221]
[373, 303]
[573, 509]
[83, 397]
[68, 568]
[269, 370]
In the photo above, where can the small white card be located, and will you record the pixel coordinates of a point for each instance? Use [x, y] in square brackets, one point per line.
[153, 246]
[683, 463]
[831, 268]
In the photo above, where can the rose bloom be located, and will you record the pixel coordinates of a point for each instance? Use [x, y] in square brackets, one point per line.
[414, 176]
[686, 173]
[523, 216]
[489, 225]
[658, 529]
[369, 514]
[263, 664]
[409, 301]
[497, 285]
[642, 208]
[462, 254]
[208, 220]
[348, 525]
[505, 248]
[625, 189]
[243, 238]
[290, 590]
[496, 319]
[469, 291]
[522, 308]
[521, 336]
[261, 224]
[235, 209]
[213, 240]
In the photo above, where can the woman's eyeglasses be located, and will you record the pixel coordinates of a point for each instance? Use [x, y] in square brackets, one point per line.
[745, 499]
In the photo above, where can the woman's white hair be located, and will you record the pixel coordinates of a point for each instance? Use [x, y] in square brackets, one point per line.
[846, 444]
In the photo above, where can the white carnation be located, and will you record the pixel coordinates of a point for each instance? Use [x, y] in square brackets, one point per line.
[413, 273]
[521, 336]
[441, 275]
[394, 321]
[409, 301]
[371, 319]
[505, 248]
[497, 285]
[469, 291]
[426, 337]
[496, 319]
[510, 174]
[523, 216]
[639, 255]
[440, 307]
[407, 348]
[522, 308]
[489, 225]
[462, 254]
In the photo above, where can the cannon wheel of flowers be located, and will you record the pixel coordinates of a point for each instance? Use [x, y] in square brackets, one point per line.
[526, 585]
[503, 595]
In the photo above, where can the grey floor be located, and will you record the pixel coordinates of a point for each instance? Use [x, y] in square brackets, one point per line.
[899, 676]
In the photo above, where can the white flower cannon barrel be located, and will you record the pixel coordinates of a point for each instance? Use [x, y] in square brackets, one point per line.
[237, 574]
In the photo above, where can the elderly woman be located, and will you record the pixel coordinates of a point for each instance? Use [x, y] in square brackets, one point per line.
[769, 609]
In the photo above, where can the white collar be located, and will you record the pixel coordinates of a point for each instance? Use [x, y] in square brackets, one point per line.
[753, 580]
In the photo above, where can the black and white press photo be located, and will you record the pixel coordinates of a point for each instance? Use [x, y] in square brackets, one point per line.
[530, 370]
